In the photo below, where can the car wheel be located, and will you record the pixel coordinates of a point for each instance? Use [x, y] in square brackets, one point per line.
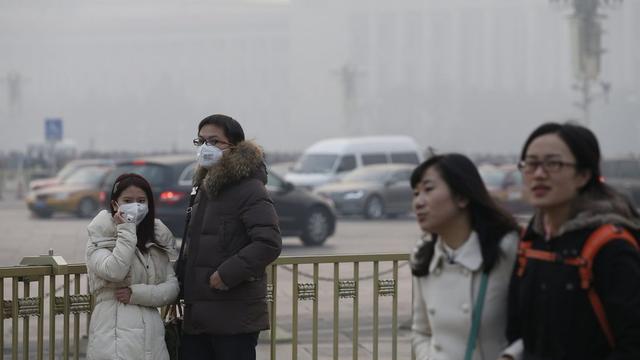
[374, 208]
[317, 227]
[87, 208]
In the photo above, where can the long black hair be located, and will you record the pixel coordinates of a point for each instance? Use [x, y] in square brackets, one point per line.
[145, 231]
[488, 220]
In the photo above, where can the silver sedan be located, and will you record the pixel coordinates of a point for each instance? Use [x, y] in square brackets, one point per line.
[373, 191]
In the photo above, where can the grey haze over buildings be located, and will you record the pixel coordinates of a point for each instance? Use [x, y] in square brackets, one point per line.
[471, 76]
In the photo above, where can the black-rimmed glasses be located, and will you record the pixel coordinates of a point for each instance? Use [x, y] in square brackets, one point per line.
[213, 142]
[549, 166]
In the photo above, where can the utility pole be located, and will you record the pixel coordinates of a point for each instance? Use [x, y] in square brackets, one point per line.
[348, 75]
[14, 90]
[587, 50]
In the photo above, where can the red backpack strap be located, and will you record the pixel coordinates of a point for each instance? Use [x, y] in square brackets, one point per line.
[525, 252]
[599, 238]
[523, 247]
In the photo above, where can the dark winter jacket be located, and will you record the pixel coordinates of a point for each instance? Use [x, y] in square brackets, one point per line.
[550, 312]
[233, 230]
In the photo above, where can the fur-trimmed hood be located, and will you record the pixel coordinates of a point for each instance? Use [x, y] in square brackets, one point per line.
[245, 160]
[591, 211]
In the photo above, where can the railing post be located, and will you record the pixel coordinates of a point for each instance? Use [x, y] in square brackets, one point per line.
[26, 292]
[58, 267]
[376, 294]
[14, 319]
[356, 299]
[274, 292]
[294, 313]
[336, 308]
[316, 285]
[2, 318]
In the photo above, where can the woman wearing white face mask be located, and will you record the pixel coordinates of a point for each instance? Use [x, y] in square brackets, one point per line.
[130, 275]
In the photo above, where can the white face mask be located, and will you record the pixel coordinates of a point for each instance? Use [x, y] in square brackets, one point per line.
[134, 212]
[208, 155]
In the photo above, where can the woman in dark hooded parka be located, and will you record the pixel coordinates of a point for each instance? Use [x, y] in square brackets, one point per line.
[550, 313]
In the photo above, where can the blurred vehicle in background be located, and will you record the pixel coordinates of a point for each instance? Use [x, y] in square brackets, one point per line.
[329, 160]
[624, 176]
[66, 171]
[77, 193]
[170, 178]
[372, 191]
[504, 183]
[301, 213]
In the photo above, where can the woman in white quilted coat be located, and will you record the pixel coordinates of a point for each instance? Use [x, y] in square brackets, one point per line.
[130, 275]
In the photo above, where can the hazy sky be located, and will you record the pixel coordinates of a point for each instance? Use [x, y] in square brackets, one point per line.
[472, 76]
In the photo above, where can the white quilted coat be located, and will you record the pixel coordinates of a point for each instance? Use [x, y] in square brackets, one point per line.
[134, 330]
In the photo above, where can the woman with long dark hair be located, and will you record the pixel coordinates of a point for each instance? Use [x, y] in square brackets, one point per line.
[554, 296]
[130, 275]
[462, 267]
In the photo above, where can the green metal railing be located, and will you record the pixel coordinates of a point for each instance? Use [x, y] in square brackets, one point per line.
[41, 275]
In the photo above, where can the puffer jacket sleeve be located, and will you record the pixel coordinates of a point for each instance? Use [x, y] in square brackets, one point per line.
[261, 223]
[616, 272]
[156, 295]
[113, 265]
[420, 328]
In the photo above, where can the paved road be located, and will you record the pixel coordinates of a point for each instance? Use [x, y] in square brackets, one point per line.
[23, 235]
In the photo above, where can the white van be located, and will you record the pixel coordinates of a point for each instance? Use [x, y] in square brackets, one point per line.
[328, 160]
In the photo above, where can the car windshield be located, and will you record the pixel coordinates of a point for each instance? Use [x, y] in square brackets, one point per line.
[378, 175]
[66, 171]
[90, 175]
[315, 163]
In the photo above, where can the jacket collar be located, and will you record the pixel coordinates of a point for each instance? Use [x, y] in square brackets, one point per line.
[107, 233]
[590, 211]
[468, 255]
[239, 162]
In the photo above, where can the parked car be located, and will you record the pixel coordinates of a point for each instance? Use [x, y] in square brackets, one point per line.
[301, 213]
[504, 183]
[330, 160]
[66, 171]
[373, 191]
[78, 193]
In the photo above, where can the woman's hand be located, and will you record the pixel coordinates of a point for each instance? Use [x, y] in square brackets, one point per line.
[123, 295]
[117, 217]
[215, 281]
